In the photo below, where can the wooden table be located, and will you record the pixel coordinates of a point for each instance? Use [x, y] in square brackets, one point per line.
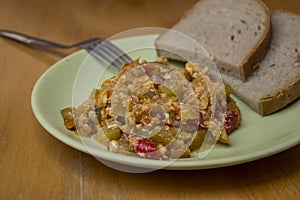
[35, 165]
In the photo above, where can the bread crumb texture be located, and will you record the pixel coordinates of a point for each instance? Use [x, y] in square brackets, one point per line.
[230, 30]
[277, 82]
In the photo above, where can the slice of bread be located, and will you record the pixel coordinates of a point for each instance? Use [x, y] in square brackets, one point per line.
[236, 34]
[277, 82]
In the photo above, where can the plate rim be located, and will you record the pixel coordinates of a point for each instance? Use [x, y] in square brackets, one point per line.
[181, 164]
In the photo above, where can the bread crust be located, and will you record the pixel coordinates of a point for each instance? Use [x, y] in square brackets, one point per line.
[251, 62]
[279, 99]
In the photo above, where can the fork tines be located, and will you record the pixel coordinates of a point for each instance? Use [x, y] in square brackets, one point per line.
[110, 54]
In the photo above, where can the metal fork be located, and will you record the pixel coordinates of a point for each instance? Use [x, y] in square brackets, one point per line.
[102, 49]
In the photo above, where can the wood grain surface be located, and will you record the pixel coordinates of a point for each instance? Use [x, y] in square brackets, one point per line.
[35, 165]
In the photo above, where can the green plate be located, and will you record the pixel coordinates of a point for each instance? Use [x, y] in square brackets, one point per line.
[256, 138]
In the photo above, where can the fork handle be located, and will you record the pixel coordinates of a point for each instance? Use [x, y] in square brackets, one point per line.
[26, 39]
